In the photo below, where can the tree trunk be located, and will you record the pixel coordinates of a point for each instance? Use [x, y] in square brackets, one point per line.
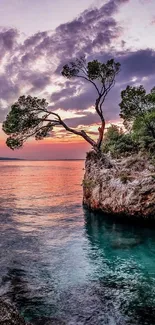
[96, 145]
[101, 133]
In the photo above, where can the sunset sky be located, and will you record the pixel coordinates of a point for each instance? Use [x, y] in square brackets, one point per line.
[37, 37]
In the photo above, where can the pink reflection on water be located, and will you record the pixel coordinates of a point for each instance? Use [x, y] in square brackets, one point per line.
[40, 192]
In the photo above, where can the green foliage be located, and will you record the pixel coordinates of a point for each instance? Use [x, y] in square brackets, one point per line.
[118, 143]
[89, 184]
[14, 143]
[135, 102]
[25, 119]
[137, 109]
[73, 69]
[113, 133]
[102, 71]
[94, 70]
[144, 131]
[144, 125]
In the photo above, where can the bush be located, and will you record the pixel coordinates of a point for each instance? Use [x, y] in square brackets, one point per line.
[118, 143]
[144, 132]
[89, 184]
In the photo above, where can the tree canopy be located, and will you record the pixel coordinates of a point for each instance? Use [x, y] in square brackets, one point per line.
[135, 102]
[31, 116]
[137, 109]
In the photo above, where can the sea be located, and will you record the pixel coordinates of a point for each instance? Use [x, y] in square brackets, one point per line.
[63, 264]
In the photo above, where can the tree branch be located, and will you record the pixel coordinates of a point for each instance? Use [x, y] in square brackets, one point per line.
[91, 82]
[82, 133]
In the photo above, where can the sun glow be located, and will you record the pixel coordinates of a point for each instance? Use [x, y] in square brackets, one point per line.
[52, 89]
[3, 63]
[59, 135]
[68, 114]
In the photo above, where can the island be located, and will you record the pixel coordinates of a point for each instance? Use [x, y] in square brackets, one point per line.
[120, 170]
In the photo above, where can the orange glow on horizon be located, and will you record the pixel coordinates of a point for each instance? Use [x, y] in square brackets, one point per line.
[62, 136]
[62, 145]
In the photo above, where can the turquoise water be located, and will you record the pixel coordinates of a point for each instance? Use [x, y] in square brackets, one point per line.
[63, 263]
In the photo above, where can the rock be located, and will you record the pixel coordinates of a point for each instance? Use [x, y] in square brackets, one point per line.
[126, 243]
[9, 315]
[123, 186]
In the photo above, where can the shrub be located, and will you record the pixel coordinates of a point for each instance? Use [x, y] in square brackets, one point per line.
[88, 184]
[144, 131]
[118, 143]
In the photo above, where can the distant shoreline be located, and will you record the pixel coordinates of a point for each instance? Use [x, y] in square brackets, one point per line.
[18, 159]
[5, 158]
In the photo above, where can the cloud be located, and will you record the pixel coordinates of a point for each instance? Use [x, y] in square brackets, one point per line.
[31, 66]
[95, 27]
[136, 68]
[78, 102]
[8, 41]
[140, 63]
[86, 120]
[63, 93]
[35, 79]
[7, 88]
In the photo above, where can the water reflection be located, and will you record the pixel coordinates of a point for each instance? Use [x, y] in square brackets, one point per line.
[125, 263]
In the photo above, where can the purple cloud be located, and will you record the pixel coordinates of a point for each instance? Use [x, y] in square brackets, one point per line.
[88, 119]
[65, 92]
[132, 65]
[8, 41]
[93, 34]
[7, 88]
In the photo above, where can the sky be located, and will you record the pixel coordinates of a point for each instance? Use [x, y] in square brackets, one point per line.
[37, 37]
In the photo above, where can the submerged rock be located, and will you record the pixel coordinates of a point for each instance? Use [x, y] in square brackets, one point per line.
[9, 315]
[126, 243]
[123, 186]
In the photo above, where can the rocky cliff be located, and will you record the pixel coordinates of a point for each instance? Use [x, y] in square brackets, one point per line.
[123, 186]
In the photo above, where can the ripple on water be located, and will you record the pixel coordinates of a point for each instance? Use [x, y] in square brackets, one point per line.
[62, 265]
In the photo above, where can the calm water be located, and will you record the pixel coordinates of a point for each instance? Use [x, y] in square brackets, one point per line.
[59, 261]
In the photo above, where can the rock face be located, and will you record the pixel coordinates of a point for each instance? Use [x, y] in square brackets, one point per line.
[9, 315]
[123, 186]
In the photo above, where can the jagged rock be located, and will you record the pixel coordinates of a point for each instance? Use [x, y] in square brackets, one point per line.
[9, 315]
[123, 186]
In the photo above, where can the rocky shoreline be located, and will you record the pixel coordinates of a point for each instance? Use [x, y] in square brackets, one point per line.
[123, 187]
[9, 315]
